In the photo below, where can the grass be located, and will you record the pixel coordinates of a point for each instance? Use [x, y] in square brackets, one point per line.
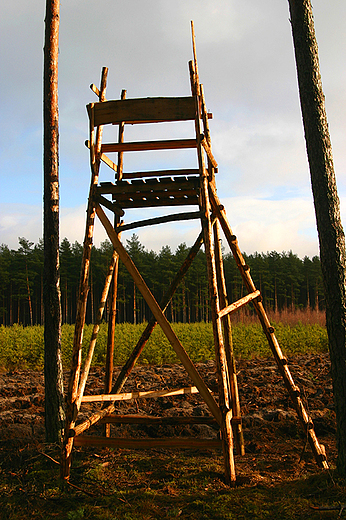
[131, 485]
[23, 347]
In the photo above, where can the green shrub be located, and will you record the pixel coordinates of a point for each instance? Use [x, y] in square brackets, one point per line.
[23, 347]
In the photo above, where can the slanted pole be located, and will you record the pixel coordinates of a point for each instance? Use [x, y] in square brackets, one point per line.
[226, 325]
[71, 411]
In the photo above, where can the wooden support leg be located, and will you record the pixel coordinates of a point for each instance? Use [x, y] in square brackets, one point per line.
[83, 290]
[111, 332]
[226, 322]
[268, 330]
[220, 358]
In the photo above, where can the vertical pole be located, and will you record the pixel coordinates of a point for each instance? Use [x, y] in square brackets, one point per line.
[53, 376]
[220, 358]
[111, 332]
[226, 322]
[71, 409]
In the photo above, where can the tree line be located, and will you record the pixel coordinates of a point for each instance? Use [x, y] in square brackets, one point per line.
[285, 282]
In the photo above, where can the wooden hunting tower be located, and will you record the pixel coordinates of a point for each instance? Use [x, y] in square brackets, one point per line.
[155, 189]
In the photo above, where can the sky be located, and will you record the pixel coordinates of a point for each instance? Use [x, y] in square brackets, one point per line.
[246, 64]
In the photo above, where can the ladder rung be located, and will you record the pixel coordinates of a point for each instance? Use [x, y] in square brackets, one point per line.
[170, 144]
[236, 305]
[138, 395]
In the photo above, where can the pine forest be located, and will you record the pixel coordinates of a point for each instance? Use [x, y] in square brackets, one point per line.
[287, 283]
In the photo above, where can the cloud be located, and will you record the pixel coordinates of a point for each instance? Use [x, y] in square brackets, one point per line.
[246, 62]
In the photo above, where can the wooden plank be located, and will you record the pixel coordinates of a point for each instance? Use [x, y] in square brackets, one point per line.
[132, 444]
[144, 110]
[160, 173]
[142, 146]
[160, 203]
[139, 395]
[151, 185]
[238, 304]
[160, 220]
[148, 419]
[152, 195]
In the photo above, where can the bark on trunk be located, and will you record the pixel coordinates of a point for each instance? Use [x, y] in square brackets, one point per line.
[54, 395]
[330, 231]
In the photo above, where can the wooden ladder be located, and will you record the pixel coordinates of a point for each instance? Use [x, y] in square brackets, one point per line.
[164, 188]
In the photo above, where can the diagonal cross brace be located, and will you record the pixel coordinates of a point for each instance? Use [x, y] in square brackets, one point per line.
[159, 315]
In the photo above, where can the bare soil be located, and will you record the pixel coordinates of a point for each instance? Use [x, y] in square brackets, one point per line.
[276, 446]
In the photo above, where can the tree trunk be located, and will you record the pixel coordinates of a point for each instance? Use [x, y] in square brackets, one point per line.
[54, 395]
[330, 231]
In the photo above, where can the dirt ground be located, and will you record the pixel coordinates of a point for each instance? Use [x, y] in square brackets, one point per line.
[275, 442]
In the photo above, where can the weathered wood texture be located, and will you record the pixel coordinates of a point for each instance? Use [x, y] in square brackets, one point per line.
[143, 146]
[53, 377]
[71, 409]
[268, 330]
[143, 110]
[327, 206]
[220, 357]
[149, 394]
[148, 419]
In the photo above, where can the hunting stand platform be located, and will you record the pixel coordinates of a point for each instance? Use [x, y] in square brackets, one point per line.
[164, 189]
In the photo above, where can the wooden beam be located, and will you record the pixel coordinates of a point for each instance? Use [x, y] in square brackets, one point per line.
[150, 394]
[144, 110]
[207, 149]
[142, 146]
[238, 304]
[148, 419]
[171, 442]
[104, 158]
[160, 220]
[109, 205]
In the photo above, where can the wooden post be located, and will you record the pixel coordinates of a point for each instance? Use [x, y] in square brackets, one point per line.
[220, 358]
[268, 330]
[71, 411]
[226, 322]
[121, 140]
[111, 329]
